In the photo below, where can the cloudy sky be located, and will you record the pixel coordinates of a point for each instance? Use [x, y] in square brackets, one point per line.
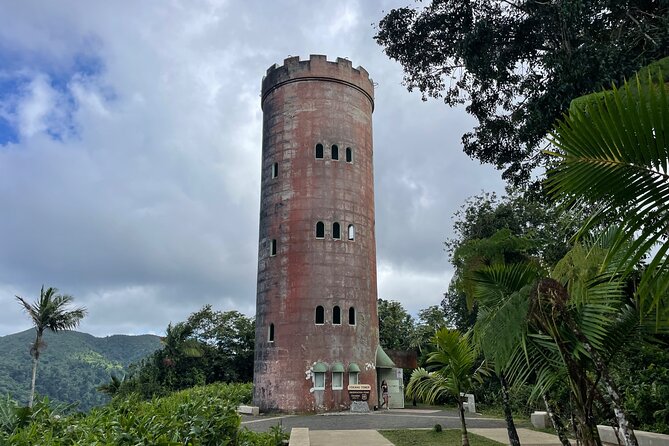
[130, 138]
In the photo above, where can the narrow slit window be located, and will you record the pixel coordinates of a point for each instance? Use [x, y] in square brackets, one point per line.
[275, 170]
[336, 231]
[319, 151]
[351, 232]
[270, 333]
[320, 230]
[335, 152]
[320, 315]
[351, 316]
[349, 155]
[272, 250]
[336, 315]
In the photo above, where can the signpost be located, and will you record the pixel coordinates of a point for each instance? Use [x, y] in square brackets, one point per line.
[359, 392]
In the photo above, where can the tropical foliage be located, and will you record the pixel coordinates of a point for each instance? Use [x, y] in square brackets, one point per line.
[198, 416]
[210, 346]
[455, 366]
[50, 312]
[614, 154]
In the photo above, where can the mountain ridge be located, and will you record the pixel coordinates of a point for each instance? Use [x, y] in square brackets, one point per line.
[71, 366]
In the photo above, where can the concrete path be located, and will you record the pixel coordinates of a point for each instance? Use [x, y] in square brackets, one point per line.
[369, 437]
[346, 429]
[348, 438]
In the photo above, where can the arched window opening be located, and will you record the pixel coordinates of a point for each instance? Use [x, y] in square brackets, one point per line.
[351, 316]
[349, 155]
[270, 334]
[275, 170]
[319, 380]
[337, 380]
[351, 232]
[319, 151]
[335, 152]
[336, 231]
[353, 377]
[272, 251]
[320, 230]
[336, 315]
[320, 315]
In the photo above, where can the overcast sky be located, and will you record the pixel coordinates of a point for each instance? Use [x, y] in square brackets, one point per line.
[130, 140]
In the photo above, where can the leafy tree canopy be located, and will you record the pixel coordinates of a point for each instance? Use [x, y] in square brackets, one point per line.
[396, 326]
[518, 64]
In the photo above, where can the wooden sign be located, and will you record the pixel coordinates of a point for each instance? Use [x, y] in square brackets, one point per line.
[359, 392]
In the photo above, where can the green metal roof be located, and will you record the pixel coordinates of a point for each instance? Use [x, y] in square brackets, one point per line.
[337, 367]
[383, 361]
[353, 367]
[320, 367]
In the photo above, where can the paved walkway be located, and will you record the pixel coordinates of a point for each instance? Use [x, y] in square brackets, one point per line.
[345, 429]
[348, 438]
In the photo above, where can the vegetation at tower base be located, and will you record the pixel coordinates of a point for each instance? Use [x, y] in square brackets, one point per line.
[49, 313]
[199, 416]
[518, 64]
[210, 346]
[72, 365]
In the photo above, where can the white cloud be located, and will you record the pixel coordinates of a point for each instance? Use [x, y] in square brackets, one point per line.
[145, 205]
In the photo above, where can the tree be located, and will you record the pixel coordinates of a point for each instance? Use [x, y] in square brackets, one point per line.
[518, 64]
[229, 337]
[396, 326]
[613, 149]
[50, 312]
[516, 227]
[210, 346]
[430, 320]
[576, 321]
[455, 368]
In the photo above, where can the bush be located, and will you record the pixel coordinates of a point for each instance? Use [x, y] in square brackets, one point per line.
[204, 415]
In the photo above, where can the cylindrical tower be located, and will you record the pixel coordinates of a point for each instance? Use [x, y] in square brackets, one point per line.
[316, 316]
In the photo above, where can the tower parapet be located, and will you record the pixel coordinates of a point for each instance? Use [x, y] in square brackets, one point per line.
[317, 68]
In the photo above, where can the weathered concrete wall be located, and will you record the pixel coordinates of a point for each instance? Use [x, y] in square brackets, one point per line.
[306, 103]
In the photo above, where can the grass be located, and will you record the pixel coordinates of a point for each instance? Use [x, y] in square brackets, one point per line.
[409, 437]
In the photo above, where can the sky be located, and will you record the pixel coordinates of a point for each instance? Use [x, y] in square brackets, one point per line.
[130, 143]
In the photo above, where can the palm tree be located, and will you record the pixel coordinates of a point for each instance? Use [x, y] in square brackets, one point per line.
[613, 150]
[455, 367]
[501, 322]
[50, 312]
[573, 323]
[113, 386]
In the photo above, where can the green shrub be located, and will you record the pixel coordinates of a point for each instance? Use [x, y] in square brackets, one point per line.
[199, 416]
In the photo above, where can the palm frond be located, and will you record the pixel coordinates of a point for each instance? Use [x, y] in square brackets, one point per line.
[615, 155]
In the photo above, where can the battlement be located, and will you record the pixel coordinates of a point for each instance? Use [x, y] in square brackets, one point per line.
[317, 68]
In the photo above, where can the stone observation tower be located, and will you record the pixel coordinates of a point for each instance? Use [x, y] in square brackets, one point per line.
[316, 322]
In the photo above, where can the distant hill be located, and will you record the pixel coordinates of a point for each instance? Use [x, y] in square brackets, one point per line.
[71, 366]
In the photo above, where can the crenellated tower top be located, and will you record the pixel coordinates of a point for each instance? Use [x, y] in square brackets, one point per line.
[317, 68]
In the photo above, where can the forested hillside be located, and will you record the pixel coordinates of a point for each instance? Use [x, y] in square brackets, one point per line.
[71, 366]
